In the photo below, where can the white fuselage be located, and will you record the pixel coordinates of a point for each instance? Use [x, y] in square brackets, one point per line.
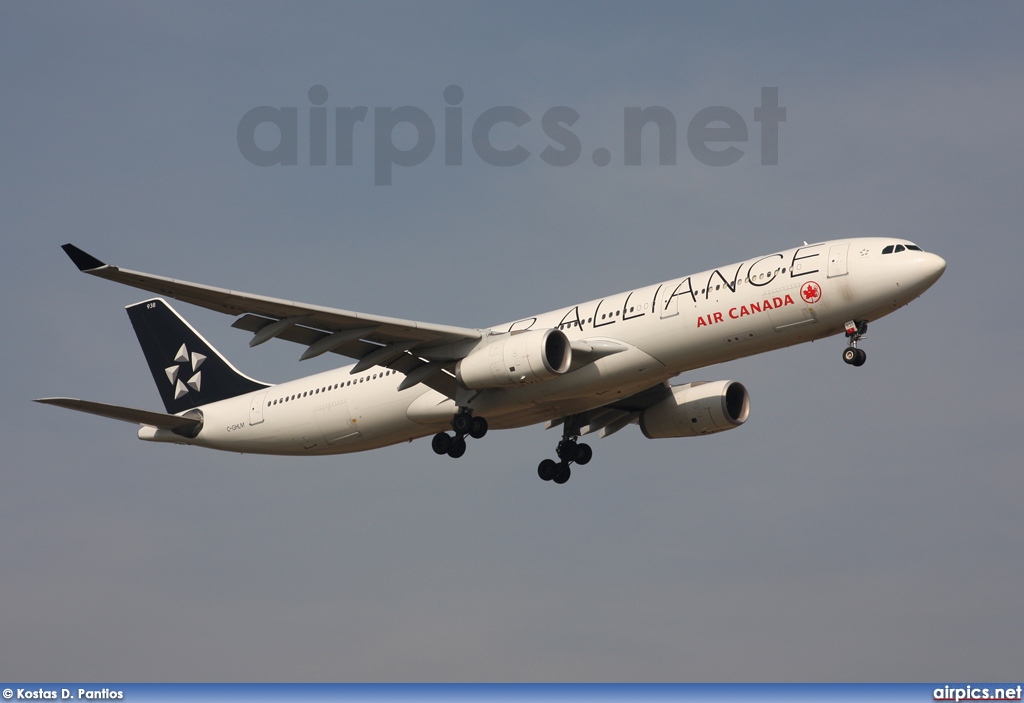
[746, 308]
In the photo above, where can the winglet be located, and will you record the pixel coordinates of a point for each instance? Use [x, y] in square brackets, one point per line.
[84, 262]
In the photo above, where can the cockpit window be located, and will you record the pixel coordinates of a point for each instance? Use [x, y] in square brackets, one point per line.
[896, 248]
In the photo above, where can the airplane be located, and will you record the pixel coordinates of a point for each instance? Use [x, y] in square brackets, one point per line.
[595, 367]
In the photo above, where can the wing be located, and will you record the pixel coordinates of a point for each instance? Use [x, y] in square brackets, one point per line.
[609, 419]
[373, 340]
[117, 412]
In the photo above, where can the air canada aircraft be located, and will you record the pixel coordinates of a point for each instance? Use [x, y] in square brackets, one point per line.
[594, 367]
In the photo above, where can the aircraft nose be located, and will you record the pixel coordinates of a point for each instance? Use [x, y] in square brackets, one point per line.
[932, 267]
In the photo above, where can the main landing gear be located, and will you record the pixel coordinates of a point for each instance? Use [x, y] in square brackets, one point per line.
[855, 331]
[569, 451]
[463, 424]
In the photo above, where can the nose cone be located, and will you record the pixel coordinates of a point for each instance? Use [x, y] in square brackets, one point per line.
[931, 267]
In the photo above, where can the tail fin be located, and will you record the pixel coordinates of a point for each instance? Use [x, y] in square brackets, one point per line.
[187, 370]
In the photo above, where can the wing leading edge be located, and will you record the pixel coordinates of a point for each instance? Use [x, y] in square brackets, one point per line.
[379, 340]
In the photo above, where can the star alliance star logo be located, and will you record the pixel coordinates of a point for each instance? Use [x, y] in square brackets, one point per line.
[173, 372]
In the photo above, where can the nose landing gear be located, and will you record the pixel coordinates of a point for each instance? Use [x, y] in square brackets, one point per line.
[855, 331]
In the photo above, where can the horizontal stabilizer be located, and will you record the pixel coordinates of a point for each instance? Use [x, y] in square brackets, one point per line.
[117, 412]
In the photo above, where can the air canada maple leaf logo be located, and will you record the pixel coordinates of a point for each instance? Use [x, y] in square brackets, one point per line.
[810, 292]
[185, 364]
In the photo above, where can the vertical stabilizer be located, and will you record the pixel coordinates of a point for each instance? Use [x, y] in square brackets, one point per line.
[187, 370]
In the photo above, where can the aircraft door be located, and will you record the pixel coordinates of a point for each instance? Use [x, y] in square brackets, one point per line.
[837, 260]
[256, 408]
[668, 303]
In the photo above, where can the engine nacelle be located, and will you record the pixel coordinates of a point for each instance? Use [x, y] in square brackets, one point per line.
[516, 358]
[697, 409]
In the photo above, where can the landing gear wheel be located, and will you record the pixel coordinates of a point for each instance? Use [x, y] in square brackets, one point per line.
[457, 449]
[567, 450]
[441, 443]
[856, 330]
[547, 470]
[462, 423]
[478, 428]
[855, 356]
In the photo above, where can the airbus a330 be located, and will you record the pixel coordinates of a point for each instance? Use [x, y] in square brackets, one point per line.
[596, 367]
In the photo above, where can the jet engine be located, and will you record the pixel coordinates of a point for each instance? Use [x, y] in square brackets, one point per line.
[697, 409]
[516, 358]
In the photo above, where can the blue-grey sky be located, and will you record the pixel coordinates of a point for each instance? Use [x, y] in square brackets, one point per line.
[865, 524]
